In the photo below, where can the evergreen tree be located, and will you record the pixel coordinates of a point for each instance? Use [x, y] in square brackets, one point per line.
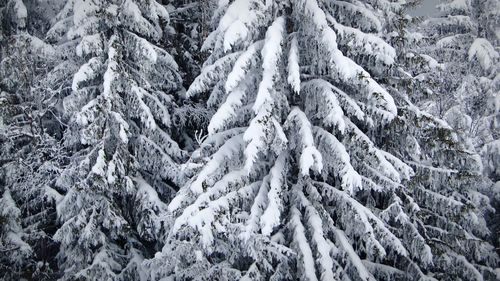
[124, 162]
[187, 23]
[29, 150]
[464, 38]
[314, 166]
[15, 251]
[190, 22]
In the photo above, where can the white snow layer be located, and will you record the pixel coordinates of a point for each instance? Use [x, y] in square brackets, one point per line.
[484, 52]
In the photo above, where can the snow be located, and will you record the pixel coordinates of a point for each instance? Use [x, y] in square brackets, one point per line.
[211, 74]
[87, 71]
[147, 49]
[112, 10]
[235, 32]
[354, 259]
[209, 42]
[461, 261]
[100, 164]
[242, 65]
[448, 41]
[484, 52]
[259, 203]
[146, 116]
[271, 53]
[431, 62]
[160, 108]
[310, 157]
[199, 256]
[464, 22]
[383, 165]
[52, 194]
[293, 66]
[302, 170]
[415, 37]
[370, 44]
[90, 44]
[226, 111]
[16, 239]
[271, 216]
[9, 207]
[161, 11]
[323, 247]
[201, 215]
[347, 69]
[455, 6]
[123, 126]
[402, 168]
[227, 151]
[110, 75]
[144, 189]
[136, 21]
[21, 13]
[179, 200]
[236, 92]
[82, 10]
[39, 45]
[361, 14]
[300, 240]
[237, 17]
[376, 231]
[349, 104]
[111, 170]
[321, 101]
[135, 263]
[64, 12]
[280, 140]
[351, 180]
[255, 135]
[104, 261]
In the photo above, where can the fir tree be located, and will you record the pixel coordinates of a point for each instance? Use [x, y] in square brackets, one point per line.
[312, 167]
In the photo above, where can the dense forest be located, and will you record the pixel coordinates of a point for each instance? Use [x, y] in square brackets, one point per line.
[249, 140]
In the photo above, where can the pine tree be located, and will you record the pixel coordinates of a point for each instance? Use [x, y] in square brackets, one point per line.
[315, 167]
[124, 162]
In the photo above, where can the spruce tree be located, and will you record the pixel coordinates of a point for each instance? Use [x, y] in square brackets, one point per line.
[464, 39]
[29, 149]
[315, 166]
[124, 163]
[190, 21]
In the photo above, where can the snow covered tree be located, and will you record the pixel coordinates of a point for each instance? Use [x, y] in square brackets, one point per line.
[187, 18]
[464, 38]
[312, 167]
[28, 180]
[190, 22]
[124, 161]
[29, 151]
[13, 17]
[14, 250]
